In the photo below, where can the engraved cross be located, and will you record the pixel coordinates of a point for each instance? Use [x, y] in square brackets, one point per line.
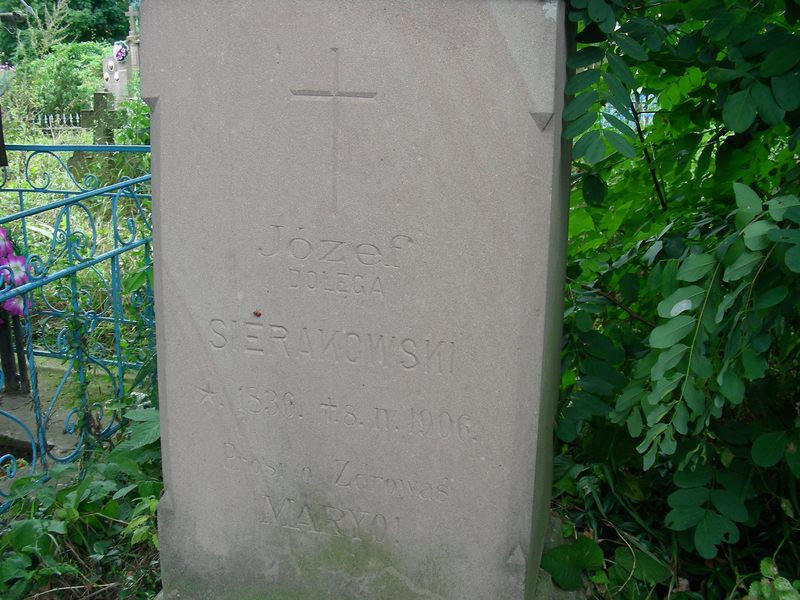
[335, 95]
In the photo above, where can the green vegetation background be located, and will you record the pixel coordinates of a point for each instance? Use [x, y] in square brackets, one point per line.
[677, 468]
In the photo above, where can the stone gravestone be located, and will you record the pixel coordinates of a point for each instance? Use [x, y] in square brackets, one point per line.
[360, 214]
[102, 119]
[115, 73]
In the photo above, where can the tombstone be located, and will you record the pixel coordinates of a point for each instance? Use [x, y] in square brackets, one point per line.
[360, 223]
[115, 72]
[102, 119]
[133, 34]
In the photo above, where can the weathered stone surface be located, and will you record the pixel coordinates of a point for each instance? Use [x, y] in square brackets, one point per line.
[360, 236]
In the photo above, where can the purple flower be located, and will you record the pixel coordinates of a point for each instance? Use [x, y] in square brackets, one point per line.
[16, 306]
[120, 51]
[6, 249]
[16, 264]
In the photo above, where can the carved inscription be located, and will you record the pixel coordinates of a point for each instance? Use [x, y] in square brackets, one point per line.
[357, 477]
[325, 519]
[335, 95]
[333, 252]
[287, 407]
[363, 478]
[262, 467]
[251, 400]
[269, 403]
[339, 346]
[333, 265]
[345, 284]
[414, 422]
[206, 394]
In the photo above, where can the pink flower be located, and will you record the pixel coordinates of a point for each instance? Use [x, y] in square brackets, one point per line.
[16, 306]
[16, 264]
[6, 249]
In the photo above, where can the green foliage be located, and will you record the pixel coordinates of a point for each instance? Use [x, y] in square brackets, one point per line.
[97, 20]
[92, 529]
[566, 563]
[62, 81]
[81, 21]
[680, 420]
[772, 586]
[135, 127]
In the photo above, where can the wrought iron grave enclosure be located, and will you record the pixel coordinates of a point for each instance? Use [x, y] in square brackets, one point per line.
[88, 318]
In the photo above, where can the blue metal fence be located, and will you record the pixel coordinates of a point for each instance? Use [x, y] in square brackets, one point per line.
[87, 300]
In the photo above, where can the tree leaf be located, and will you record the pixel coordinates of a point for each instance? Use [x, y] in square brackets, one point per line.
[771, 297]
[142, 434]
[630, 46]
[583, 145]
[13, 566]
[602, 14]
[594, 190]
[620, 125]
[667, 360]
[729, 504]
[786, 90]
[695, 399]
[689, 477]
[619, 96]
[742, 266]
[692, 496]
[580, 221]
[726, 302]
[739, 111]
[782, 57]
[581, 80]
[684, 517]
[755, 234]
[711, 531]
[621, 69]
[768, 108]
[585, 57]
[755, 365]
[620, 144]
[642, 565]
[768, 449]
[635, 423]
[579, 105]
[681, 300]
[780, 204]
[566, 563]
[695, 267]
[731, 386]
[143, 414]
[748, 202]
[792, 258]
[721, 75]
[23, 533]
[672, 332]
[579, 125]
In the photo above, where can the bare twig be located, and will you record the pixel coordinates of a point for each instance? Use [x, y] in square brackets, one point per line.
[613, 299]
[100, 589]
[649, 159]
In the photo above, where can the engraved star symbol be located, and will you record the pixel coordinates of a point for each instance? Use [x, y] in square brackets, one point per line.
[206, 394]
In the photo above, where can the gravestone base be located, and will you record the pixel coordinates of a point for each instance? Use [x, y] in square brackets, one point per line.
[545, 588]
